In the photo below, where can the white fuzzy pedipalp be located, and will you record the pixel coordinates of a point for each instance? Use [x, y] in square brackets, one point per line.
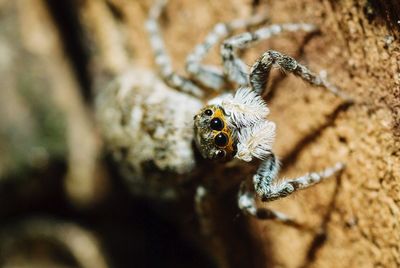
[245, 108]
[256, 141]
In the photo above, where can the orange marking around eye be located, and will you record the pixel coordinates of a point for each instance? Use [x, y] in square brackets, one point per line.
[218, 113]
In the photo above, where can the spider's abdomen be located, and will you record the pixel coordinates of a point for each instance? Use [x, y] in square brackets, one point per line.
[148, 127]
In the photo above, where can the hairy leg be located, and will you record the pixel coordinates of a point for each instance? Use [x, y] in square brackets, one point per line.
[262, 68]
[212, 76]
[247, 203]
[162, 58]
[236, 69]
[269, 189]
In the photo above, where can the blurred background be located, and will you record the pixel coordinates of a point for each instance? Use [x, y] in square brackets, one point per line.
[62, 203]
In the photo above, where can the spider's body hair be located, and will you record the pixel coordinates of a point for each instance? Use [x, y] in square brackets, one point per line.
[256, 141]
[246, 108]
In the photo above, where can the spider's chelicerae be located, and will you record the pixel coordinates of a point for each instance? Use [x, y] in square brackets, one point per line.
[150, 124]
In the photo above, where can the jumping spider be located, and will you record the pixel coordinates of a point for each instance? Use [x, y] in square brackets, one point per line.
[150, 125]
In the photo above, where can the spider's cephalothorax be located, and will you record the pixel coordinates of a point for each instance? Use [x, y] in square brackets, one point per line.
[235, 126]
[214, 136]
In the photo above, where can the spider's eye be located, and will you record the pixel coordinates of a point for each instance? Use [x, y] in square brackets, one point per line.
[220, 154]
[208, 112]
[221, 139]
[216, 124]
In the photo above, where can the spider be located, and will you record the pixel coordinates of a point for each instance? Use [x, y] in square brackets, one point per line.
[155, 124]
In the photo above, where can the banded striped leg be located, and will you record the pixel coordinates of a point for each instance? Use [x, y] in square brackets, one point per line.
[262, 68]
[162, 58]
[236, 69]
[208, 75]
[247, 203]
[268, 188]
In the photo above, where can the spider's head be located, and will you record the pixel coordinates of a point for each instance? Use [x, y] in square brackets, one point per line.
[213, 137]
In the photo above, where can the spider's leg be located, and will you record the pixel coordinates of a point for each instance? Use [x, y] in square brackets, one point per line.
[262, 67]
[162, 58]
[236, 69]
[247, 203]
[208, 75]
[269, 189]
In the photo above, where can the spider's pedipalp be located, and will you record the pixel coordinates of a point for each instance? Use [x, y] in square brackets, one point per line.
[245, 108]
[256, 141]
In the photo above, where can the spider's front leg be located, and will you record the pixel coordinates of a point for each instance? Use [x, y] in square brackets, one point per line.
[268, 188]
[262, 68]
[234, 67]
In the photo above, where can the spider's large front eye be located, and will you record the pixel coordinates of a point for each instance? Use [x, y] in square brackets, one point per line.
[221, 139]
[216, 124]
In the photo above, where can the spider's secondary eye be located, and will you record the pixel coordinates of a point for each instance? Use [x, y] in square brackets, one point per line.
[208, 112]
[216, 124]
[220, 154]
[221, 140]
